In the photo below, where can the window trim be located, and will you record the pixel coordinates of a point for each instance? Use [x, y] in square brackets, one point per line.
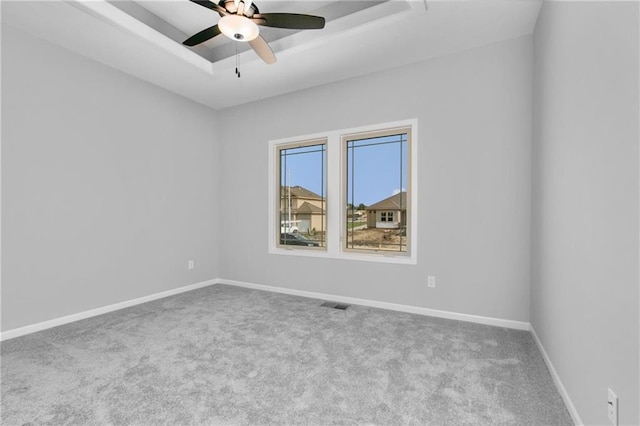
[381, 132]
[336, 194]
[277, 229]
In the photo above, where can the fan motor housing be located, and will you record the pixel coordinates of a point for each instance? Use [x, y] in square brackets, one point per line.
[230, 5]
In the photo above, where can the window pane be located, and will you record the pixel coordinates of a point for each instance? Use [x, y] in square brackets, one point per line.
[377, 177]
[302, 219]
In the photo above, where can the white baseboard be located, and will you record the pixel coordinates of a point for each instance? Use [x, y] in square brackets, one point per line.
[17, 332]
[517, 325]
[556, 379]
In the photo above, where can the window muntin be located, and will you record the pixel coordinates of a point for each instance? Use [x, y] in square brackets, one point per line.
[377, 176]
[386, 216]
[302, 202]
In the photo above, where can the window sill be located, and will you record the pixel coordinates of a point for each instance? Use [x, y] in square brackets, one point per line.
[341, 255]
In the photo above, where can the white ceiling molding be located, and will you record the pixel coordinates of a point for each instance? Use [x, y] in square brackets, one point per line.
[110, 14]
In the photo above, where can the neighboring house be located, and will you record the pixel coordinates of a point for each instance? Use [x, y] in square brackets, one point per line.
[308, 209]
[389, 213]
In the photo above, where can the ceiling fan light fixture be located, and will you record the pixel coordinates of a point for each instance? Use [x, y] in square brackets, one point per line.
[238, 28]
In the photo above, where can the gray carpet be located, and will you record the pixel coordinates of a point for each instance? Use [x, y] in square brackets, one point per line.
[228, 355]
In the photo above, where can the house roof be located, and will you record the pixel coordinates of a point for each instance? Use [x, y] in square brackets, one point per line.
[299, 192]
[391, 203]
[308, 208]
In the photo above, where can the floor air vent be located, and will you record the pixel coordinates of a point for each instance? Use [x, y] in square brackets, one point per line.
[335, 305]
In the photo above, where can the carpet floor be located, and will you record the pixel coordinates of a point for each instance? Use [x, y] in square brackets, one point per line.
[229, 355]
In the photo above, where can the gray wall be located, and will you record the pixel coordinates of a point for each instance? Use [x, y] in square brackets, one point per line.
[108, 185]
[474, 112]
[584, 295]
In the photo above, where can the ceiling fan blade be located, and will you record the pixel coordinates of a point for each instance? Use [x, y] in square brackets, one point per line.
[202, 36]
[292, 21]
[263, 50]
[210, 5]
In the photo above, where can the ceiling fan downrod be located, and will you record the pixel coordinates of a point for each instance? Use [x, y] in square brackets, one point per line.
[237, 62]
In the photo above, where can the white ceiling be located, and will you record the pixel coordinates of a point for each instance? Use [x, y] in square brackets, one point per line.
[144, 39]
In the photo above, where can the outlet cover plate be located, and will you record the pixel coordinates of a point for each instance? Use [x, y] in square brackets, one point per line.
[431, 281]
[612, 408]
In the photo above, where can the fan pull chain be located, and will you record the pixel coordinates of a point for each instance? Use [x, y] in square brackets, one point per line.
[237, 61]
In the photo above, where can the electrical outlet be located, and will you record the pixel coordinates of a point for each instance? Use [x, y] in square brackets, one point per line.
[612, 408]
[190, 264]
[431, 281]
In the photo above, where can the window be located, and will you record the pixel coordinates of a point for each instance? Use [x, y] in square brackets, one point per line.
[377, 175]
[302, 194]
[346, 194]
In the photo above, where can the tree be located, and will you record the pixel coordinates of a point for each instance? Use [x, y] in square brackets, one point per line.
[361, 206]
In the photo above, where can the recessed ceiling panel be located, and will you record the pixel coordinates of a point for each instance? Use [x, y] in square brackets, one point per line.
[181, 18]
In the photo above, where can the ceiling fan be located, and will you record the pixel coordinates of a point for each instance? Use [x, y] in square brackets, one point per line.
[239, 20]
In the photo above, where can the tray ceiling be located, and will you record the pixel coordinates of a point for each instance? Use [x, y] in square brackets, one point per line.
[143, 38]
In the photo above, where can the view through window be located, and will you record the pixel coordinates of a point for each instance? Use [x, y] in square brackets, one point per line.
[376, 193]
[302, 170]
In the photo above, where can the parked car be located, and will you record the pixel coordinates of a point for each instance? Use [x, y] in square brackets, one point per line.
[289, 227]
[290, 239]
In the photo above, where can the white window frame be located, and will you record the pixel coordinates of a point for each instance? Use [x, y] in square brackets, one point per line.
[298, 144]
[336, 193]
